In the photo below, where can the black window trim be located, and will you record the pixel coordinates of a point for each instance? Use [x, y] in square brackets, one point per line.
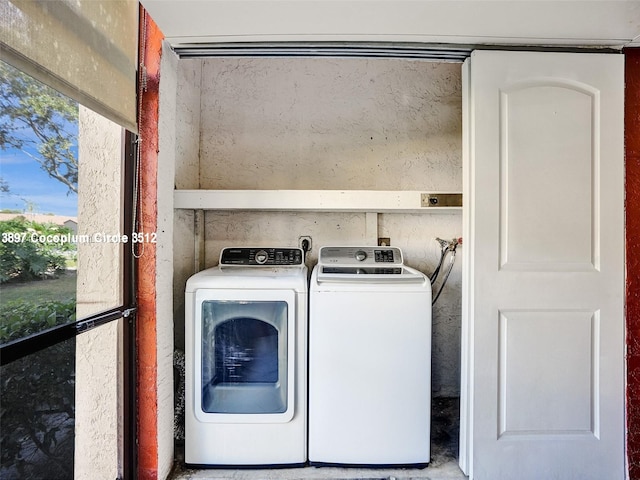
[22, 347]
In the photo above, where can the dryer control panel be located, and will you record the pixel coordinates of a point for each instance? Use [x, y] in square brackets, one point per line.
[259, 257]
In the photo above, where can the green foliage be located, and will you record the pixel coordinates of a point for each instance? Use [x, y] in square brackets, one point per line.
[20, 319]
[41, 122]
[22, 258]
[37, 410]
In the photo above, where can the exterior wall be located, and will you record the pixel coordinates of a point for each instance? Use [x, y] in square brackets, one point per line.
[152, 385]
[379, 124]
[632, 211]
[98, 438]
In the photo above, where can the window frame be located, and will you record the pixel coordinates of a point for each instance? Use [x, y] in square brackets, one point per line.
[23, 347]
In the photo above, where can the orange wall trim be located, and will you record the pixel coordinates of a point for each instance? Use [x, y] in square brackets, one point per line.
[148, 98]
[632, 214]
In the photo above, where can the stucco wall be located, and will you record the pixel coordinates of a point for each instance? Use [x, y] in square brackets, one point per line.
[98, 433]
[379, 124]
[632, 211]
[171, 132]
[330, 124]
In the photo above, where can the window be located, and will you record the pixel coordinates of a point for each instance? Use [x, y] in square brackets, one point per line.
[65, 258]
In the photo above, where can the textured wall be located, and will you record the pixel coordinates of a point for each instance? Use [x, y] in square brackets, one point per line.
[330, 124]
[155, 446]
[379, 124]
[98, 434]
[187, 160]
[632, 210]
[167, 145]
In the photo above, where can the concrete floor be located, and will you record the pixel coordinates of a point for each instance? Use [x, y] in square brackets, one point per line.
[443, 466]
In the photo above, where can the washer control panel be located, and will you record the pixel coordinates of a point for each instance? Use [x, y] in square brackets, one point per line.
[267, 257]
[360, 256]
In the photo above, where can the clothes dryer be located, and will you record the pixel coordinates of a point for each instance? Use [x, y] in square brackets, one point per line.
[369, 359]
[246, 360]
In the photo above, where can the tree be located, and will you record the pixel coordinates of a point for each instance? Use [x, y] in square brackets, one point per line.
[23, 256]
[40, 122]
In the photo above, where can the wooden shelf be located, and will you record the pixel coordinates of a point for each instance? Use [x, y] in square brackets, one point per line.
[380, 201]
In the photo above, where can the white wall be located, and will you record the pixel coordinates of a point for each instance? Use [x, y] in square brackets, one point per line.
[296, 123]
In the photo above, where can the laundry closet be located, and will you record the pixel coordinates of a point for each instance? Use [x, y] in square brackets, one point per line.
[529, 329]
[339, 140]
[322, 124]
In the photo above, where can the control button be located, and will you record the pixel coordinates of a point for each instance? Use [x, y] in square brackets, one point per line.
[361, 255]
[261, 257]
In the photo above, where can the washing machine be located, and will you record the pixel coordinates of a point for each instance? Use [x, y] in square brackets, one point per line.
[246, 360]
[369, 359]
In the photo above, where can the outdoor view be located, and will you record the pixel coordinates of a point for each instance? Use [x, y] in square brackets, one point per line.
[38, 264]
[61, 254]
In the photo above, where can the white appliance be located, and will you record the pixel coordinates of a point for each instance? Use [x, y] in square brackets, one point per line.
[369, 359]
[246, 360]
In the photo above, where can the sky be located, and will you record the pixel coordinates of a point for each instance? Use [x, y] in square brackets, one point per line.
[30, 188]
[28, 182]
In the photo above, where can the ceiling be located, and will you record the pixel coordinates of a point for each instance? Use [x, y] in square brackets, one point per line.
[599, 23]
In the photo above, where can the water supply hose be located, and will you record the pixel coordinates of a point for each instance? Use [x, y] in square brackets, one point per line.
[446, 248]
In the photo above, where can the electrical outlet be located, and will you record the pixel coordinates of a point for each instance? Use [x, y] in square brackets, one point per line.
[301, 241]
[384, 242]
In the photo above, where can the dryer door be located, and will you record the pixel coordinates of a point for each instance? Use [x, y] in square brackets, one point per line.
[244, 355]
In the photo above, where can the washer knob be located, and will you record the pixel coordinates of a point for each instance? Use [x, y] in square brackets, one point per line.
[360, 255]
[261, 257]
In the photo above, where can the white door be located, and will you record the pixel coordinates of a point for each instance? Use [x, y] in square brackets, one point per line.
[543, 396]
